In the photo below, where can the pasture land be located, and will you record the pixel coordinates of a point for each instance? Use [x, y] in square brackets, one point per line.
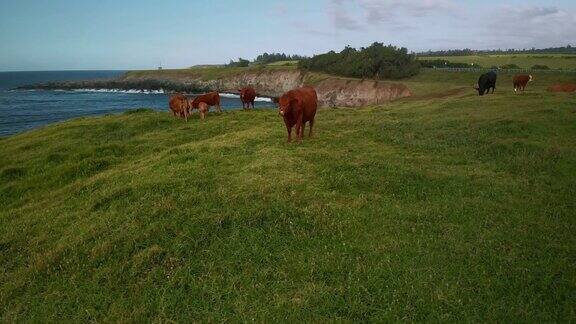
[208, 72]
[284, 63]
[525, 61]
[443, 207]
[434, 84]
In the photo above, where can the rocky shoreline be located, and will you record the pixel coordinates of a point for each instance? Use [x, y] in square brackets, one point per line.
[332, 91]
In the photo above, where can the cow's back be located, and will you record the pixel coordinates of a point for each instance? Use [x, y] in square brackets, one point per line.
[521, 79]
[309, 100]
[488, 78]
[210, 98]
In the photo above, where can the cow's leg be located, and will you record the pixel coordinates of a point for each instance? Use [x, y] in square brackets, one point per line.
[252, 104]
[299, 129]
[302, 130]
[311, 125]
[218, 107]
[289, 129]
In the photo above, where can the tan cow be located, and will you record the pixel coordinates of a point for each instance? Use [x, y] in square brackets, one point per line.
[179, 105]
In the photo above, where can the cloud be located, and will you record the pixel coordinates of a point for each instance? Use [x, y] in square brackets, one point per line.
[341, 16]
[438, 24]
[527, 26]
[361, 14]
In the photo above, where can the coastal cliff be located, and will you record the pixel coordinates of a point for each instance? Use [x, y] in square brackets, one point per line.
[332, 91]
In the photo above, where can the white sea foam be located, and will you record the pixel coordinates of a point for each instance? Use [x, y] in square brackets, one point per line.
[236, 96]
[161, 91]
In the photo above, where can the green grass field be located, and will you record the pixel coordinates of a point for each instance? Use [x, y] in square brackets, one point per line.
[553, 61]
[209, 72]
[444, 207]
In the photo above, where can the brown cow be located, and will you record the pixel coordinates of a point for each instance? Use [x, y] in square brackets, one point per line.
[210, 98]
[179, 105]
[247, 95]
[521, 81]
[203, 109]
[297, 107]
[565, 87]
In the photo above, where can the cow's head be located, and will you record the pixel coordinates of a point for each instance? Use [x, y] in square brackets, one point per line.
[479, 89]
[531, 79]
[242, 93]
[286, 104]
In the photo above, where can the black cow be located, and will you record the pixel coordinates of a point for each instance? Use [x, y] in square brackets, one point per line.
[486, 81]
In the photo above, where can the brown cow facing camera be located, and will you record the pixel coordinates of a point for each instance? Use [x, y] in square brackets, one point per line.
[247, 95]
[520, 81]
[297, 107]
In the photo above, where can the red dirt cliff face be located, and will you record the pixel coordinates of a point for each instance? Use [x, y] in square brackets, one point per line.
[332, 91]
[357, 93]
[565, 87]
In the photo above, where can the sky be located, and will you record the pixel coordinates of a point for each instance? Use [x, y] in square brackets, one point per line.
[129, 34]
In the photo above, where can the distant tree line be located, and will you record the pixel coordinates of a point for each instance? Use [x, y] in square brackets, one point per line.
[277, 57]
[569, 49]
[376, 61]
[240, 63]
[265, 58]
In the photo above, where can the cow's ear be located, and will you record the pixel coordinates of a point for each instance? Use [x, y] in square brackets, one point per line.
[275, 100]
[239, 90]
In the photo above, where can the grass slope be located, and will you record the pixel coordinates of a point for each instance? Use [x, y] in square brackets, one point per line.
[207, 72]
[553, 61]
[454, 209]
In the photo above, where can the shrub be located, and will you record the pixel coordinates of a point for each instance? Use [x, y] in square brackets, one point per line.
[376, 61]
[276, 57]
[240, 63]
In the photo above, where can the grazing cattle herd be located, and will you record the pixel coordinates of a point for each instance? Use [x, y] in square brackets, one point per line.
[298, 106]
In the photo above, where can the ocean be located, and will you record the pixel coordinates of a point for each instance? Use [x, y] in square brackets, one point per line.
[21, 110]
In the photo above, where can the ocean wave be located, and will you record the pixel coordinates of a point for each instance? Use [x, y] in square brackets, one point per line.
[136, 91]
[236, 96]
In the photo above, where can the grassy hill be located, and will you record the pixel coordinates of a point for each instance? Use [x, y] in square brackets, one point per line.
[553, 61]
[208, 72]
[443, 207]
